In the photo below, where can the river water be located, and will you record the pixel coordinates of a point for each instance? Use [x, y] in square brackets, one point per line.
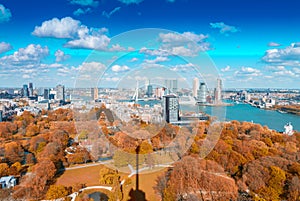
[245, 112]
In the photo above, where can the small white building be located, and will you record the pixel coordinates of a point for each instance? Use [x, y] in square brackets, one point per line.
[288, 129]
[8, 182]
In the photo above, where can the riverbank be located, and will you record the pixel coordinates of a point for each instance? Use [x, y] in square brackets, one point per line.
[291, 109]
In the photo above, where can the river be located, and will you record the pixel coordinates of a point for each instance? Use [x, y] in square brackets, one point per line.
[245, 112]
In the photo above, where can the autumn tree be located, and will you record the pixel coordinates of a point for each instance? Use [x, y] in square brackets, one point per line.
[15, 168]
[194, 177]
[107, 176]
[56, 191]
[34, 185]
[4, 169]
[14, 152]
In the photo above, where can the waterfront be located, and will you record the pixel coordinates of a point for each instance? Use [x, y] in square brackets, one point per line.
[245, 112]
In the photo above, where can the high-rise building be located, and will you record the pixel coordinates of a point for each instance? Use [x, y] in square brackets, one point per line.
[25, 92]
[30, 89]
[46, 94]
[94, 93]
[195, 87]
[170, 108]
[171, 85]
[149, 90]
[218, 92]
[60, 92]
[202, 93]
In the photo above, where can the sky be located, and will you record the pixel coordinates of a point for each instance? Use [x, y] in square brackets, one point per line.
[248, 44]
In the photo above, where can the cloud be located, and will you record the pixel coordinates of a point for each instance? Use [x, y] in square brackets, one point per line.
[65, 28]
[182, 67]
[88, 73]
[247, 72]
[157, 60]
[85, 2]
[5, 14]
[281, 71]
[118, 68]
[27, 62]
[134, 59]
[89, 39]
[60, 56]
[131, 1]
[273, 44]
[117, 48]
[5, 47]
[226, 69]
[79, 36]
[112, 79]
[224, 28]
[30, 55]
[81, 11]
[288, 56]
[185, 44]
[108, 15]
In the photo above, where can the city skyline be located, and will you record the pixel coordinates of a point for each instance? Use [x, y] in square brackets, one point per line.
[253, 44]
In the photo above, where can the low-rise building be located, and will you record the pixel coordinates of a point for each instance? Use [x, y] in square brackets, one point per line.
[8, 182]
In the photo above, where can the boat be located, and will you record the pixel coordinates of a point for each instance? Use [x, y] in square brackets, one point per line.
[282, 112]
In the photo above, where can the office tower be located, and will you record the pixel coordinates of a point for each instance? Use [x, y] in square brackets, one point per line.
[202, 93]
[94, 93]
[149, 90]
[171, 85]
[25, 92]
[46, 94]
[158, 93]
[1, 113]
[30, 89]
[60, 92]
[195, 87]
[147, 82]
[170, 108]
[218, 92]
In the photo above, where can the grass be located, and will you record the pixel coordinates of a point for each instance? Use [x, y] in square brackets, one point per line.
[90, 177]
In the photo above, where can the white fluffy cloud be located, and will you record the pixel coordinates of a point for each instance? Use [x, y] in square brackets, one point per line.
[65, 28]
[118, 68]
[60, 56]
[224, 28]
[85, 2]
[5, 14]
[185, 44]
[131, 1]
[95, 40]
[79, 36]
[31, 54]
[4, 47]
[288, 56]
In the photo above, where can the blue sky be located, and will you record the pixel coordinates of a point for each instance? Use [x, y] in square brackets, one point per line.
[252, 43]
